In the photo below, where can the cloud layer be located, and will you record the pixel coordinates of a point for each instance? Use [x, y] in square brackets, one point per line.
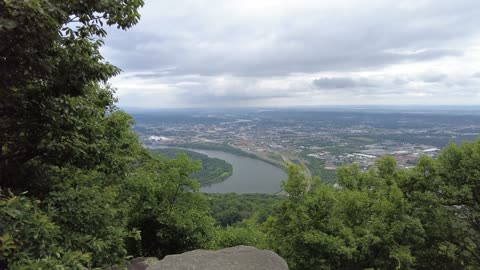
[303, 52]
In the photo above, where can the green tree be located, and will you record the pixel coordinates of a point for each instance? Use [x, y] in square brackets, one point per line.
[365, 223]
[459, 193]
[89, 184]
[248, 232]
[61, 138]
[53, 96]
[444, 195]
[422, 188]
[30, 240]
[167, 208]
[231, 208]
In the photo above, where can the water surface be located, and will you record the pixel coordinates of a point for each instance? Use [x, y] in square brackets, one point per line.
[249, 175]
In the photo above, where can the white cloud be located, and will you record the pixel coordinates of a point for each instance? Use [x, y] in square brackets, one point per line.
[303, 52]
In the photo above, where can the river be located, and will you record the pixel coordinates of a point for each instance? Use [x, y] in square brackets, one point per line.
[249, 175]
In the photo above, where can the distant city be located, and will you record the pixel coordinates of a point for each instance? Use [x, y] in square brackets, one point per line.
[321, 140]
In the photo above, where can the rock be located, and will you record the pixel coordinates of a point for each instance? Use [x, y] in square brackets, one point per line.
[235, 258]
[140, 263]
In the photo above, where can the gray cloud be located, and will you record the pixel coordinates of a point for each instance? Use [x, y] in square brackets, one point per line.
[373, 35]
[337, 83]
[434, 77]
[401, 81]
[188, 45]
[150, 75]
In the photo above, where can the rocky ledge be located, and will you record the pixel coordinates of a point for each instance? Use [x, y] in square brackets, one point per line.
[234, 258]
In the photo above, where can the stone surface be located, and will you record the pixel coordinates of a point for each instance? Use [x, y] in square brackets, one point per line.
[235, 258]
[141, 263]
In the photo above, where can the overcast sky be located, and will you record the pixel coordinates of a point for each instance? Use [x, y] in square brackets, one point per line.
[218, 53]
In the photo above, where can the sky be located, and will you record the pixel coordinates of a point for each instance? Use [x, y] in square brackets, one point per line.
[280, 53]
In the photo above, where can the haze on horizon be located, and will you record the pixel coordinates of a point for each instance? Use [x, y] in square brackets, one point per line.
[221, 53]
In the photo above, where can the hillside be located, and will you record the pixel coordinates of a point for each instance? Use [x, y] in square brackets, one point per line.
[213, 170]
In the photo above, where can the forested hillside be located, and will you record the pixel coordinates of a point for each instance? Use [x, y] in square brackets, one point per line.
[384, 218]
[231, 208]
[78, 191]
[213, 170]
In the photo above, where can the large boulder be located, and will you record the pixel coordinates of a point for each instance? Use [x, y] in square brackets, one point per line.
[234, 258]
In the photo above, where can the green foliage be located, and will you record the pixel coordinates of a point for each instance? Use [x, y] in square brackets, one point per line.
[62, 138]
[297, 183]
[30, 240]
[53, 97]
[248, 232]
[240, 217]
[384, 218]
[386, 166]
[213, 170]
[90, 184]
[167, 208]
[459, 194]
[91, 216]
[317, 168]
[230, 208]
[362, 225]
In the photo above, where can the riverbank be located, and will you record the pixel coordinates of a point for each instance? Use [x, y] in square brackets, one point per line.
[227, 148]
[250, 174]
[213, 170]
